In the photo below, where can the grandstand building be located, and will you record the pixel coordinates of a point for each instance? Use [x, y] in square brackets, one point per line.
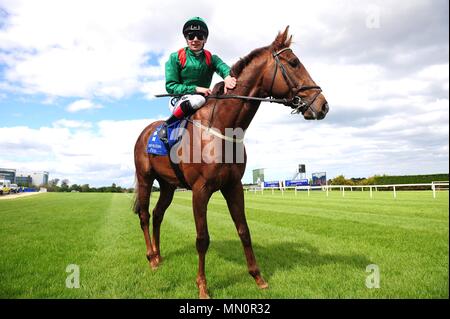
[8, 174]
[24, 179]
[39, 178]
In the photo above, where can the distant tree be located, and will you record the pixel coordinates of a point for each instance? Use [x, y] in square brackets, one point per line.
[102, 189]
[371, 180]
[341, 180]
[113, 189]
[53, 185]
[85, 188]
[75, 187]
[53, 182]
[64, 185]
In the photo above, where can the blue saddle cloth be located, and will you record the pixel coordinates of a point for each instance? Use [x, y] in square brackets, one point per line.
[174, 132]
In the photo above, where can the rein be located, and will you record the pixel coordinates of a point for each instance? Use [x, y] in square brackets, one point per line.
[232, 96]
[214, 132]
[296, 102]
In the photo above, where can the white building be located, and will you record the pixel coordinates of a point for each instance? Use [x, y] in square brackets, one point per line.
[39, 178]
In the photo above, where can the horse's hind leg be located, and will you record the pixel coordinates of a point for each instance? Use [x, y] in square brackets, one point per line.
[165, 198]
[234, 195]
[141, 205]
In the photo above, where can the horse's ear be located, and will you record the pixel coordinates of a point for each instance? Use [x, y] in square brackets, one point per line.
[288, 42]
[282, 41]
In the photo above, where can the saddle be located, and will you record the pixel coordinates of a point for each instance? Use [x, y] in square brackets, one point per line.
[156, 146]
[174, 133]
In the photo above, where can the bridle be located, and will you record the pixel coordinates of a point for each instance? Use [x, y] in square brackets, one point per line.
[297, 103]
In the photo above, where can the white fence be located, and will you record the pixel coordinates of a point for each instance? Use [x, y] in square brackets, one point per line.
[434, 186]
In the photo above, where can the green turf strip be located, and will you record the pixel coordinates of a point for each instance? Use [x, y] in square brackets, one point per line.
[306, 247]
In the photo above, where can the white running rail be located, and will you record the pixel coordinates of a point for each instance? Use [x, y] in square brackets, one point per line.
[394, 187]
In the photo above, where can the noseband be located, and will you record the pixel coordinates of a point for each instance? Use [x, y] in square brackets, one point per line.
[297, 103]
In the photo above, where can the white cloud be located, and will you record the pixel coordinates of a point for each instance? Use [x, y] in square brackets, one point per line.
[101, 153]
[81, 105]
[151, 88]
[98, 154]
[387, 87]
[72, 124]
[81, 49]
[406, 139]
[87, 48]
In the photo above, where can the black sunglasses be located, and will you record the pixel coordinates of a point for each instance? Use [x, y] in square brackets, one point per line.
[200, 35]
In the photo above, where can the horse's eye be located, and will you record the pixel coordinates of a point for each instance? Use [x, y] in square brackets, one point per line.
[294, 63]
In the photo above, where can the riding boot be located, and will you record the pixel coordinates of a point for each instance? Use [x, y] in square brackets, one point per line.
[183, 108]
[162, 134]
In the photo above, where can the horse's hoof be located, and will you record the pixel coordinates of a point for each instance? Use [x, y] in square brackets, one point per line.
[153, 267]
[202, 290]
[159, 259]
[262, 284]
[204, 296]
[154, 264]
[154, 261]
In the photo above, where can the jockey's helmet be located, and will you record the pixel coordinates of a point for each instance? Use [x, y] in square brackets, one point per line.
[195, 24]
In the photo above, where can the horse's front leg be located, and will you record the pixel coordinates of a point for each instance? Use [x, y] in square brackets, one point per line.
[142, 202]
[165, 199]
[234, 195]
[200, 198]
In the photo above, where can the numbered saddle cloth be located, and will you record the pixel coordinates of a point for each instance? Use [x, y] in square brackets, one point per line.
[174, 133]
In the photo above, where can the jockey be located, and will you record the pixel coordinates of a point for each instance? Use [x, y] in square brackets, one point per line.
[189, 72]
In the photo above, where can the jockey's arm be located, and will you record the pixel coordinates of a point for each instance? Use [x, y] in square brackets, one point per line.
[202, 90]
[224, 71]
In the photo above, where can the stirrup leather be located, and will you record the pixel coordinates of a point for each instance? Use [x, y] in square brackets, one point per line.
[162, 134]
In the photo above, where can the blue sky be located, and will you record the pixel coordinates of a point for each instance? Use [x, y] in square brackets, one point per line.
[77, 80]
[38, 109]
[34, 113]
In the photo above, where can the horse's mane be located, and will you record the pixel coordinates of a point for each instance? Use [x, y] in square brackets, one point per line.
[281, 41]
[237, 68]
[218, 88]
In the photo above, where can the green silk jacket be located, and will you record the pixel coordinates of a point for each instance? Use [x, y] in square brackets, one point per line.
[195, 72]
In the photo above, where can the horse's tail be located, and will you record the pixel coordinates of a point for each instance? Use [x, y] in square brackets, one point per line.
[136, 206]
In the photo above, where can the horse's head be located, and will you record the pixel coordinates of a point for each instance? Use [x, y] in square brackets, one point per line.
[285, 76]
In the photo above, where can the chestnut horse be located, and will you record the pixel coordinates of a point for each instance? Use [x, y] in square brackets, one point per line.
[272, 71]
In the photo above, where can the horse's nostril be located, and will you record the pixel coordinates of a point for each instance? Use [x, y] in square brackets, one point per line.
[325, 108]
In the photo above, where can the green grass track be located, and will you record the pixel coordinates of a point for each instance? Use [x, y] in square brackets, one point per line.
[306, 247]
